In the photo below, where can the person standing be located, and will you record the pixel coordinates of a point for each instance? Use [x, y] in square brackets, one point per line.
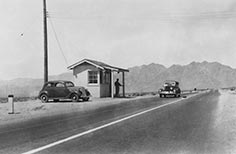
[117, 85]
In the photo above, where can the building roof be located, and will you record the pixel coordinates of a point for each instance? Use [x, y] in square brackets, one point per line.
[98, 64]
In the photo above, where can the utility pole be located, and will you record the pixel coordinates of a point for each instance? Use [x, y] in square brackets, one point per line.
[45, 42]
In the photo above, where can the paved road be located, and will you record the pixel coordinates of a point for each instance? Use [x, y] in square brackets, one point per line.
[24, 136]
[202, 124]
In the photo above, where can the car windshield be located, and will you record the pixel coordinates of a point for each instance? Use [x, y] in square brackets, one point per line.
[171, 84]
[70, 84]
[168, 88]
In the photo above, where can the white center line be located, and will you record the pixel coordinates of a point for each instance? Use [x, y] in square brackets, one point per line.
[98, 128]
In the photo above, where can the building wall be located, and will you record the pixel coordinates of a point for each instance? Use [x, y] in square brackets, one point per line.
[84, 67]
[81, 78]
[94, 90]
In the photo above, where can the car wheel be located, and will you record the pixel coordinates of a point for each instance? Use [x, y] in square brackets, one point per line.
[44, 98]
[75, 97]
[164, 95]
[160, 95]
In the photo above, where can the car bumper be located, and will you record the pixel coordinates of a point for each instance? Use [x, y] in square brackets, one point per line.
[167, 92]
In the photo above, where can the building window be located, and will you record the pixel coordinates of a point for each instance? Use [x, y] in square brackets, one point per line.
[92, 77]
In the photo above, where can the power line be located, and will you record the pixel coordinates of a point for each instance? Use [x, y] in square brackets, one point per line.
[58, 42]
[162, 17]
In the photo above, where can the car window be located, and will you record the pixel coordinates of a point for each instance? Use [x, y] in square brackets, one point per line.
[170, 84]
[167, 84]
[69, 84]
[60, 85]
[48, 85]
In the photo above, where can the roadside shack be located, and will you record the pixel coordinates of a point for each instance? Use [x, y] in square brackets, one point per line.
[97, 77]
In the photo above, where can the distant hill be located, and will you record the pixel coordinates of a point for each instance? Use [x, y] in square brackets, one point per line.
[27, 87]
[145, 78]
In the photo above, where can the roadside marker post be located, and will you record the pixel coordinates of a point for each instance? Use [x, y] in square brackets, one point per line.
[11, 103]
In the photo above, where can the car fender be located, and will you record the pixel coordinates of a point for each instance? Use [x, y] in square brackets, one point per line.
[43, 92]
[75, 92]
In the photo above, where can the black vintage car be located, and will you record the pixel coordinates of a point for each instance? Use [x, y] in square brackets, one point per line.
[56, 90]
[170, 88]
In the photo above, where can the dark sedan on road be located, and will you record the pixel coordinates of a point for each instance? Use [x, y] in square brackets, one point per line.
[57, 90]
[170, 88]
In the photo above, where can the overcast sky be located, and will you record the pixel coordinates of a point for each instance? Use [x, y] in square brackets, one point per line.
[122, 33]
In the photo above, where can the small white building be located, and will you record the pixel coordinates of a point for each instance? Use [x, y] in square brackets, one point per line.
[97, 77]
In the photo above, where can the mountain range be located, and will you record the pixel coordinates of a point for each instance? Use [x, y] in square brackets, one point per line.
[194, 75]
[145, 78]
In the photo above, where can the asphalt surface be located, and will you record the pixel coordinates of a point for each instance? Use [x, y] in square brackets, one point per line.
[202, 124]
